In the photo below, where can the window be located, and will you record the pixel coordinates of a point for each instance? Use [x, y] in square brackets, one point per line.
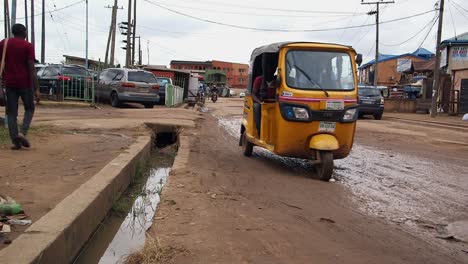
[115, 75]
[180, 67]
[79, 71]
[317, 70]
[241, 70]
[241, 80]
[51, 71]
[141, 76]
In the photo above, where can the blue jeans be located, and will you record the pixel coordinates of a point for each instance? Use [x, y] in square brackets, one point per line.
[27, 96]
[257, 109]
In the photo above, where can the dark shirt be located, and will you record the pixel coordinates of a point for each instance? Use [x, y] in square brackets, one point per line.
[16, 73]
[257, 85]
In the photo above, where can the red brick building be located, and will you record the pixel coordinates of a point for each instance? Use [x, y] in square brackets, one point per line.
[236, 73]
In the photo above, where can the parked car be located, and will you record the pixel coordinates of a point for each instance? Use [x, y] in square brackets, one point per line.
[242, 94]
[232, 93]
[38, 67]
[65, 81]
[371, 101]
[162, 81]
[127, 85]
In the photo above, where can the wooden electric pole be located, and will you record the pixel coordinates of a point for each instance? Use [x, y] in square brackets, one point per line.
[6, 18]
[33, 39]
[111, 37]
[134, 32]
[13, 12]
[43, 34]
[26, 17]
[129, 34]
[435, 89]
[376, 13]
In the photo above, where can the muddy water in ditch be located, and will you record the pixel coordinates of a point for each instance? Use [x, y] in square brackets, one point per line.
[121, 234]
[425, 197]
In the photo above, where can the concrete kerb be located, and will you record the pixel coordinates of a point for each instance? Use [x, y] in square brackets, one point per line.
[59, 235]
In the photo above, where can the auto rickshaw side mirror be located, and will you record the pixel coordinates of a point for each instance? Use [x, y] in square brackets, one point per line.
[359, 59]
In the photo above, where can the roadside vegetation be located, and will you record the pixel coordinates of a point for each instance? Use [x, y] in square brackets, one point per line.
[154, 253]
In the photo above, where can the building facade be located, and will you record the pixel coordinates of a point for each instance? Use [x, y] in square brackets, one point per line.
[236, 73]
[391, 67]
[454, 61]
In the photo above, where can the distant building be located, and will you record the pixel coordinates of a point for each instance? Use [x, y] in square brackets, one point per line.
[92, 64]
[454, 61]
[391, 67]
[236, 73]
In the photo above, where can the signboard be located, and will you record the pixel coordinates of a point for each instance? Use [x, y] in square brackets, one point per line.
[443, 58]
[403, 65]
[459, 58]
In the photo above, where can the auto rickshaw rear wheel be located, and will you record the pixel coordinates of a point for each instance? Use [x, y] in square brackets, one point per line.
[247, 146]
[324, 168]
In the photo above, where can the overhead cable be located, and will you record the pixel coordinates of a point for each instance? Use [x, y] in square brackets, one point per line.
[282, 30]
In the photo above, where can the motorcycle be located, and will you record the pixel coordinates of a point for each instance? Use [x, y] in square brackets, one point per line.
[214, 96]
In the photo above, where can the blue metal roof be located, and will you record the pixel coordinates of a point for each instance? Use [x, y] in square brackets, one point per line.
[460, 39]
[421, 53]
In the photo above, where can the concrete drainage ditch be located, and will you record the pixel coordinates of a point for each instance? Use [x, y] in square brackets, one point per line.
[107, 216]
[123, 231]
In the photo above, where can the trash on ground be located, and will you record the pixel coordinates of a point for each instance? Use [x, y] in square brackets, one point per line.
[5, 229]
[19, 222]
[204, 109]
[10, 209]
[465, 117]
[327, 220]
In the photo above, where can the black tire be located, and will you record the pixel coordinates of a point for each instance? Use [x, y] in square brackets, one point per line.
[324, 170]
[378, 116]
[247, 146]
[114, 98]
[149, 106]
[360, 115]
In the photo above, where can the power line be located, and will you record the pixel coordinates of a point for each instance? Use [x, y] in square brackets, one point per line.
[269, 8]
[58, 9]
[451, 16]
[459, 11]
[459, 5]
[257, 14]
[412, 37]
[429, 32]
[281, 30]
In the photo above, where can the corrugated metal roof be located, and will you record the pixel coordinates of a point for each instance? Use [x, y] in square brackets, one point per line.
[421, 53]
[460, 39]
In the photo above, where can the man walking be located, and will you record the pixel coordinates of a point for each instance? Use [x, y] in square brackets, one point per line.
[20, 80]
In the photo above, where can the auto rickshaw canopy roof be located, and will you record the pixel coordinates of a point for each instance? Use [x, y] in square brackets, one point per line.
[275, 47]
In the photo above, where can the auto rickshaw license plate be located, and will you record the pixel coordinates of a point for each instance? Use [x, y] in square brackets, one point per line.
[327, 126]
[334, 105]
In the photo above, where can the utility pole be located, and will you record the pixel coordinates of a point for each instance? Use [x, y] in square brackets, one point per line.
[112, 31]
[435, 88]
[129, 33]
[134, 31]
[26, 17]
[13, 12]
[140, 53]
[147, 50]
[33, 40]
[86, 59]
[376, 13]
[6, 18]
[43, 33]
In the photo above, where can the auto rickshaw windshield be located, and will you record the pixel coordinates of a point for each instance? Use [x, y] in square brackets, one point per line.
[319, 70]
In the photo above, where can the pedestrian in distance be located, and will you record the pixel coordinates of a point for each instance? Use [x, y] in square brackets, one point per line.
[20, 81]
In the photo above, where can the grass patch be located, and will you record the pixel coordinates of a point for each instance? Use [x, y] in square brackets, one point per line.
[123, 205]
[34, 130]
[153, 252]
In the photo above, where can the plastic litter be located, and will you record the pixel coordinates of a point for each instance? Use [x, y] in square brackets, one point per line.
[465, 117]
[5, 229]
[19, 222]
[10, 209]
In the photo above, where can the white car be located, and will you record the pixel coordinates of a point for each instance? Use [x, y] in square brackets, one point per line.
[232, 93]
[242, 94]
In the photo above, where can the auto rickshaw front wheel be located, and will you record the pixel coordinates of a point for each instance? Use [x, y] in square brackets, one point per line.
[247, 146]
[324, 168]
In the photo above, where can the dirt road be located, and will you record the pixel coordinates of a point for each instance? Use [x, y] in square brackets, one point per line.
[398, 198]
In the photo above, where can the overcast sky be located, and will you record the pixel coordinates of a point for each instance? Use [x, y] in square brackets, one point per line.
[173, 36]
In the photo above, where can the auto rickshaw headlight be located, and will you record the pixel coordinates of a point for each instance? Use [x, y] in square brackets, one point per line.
[301, 113]
[350, 115]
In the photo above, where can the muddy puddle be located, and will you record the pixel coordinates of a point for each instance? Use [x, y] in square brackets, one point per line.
[424, 197]
[124, 229]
